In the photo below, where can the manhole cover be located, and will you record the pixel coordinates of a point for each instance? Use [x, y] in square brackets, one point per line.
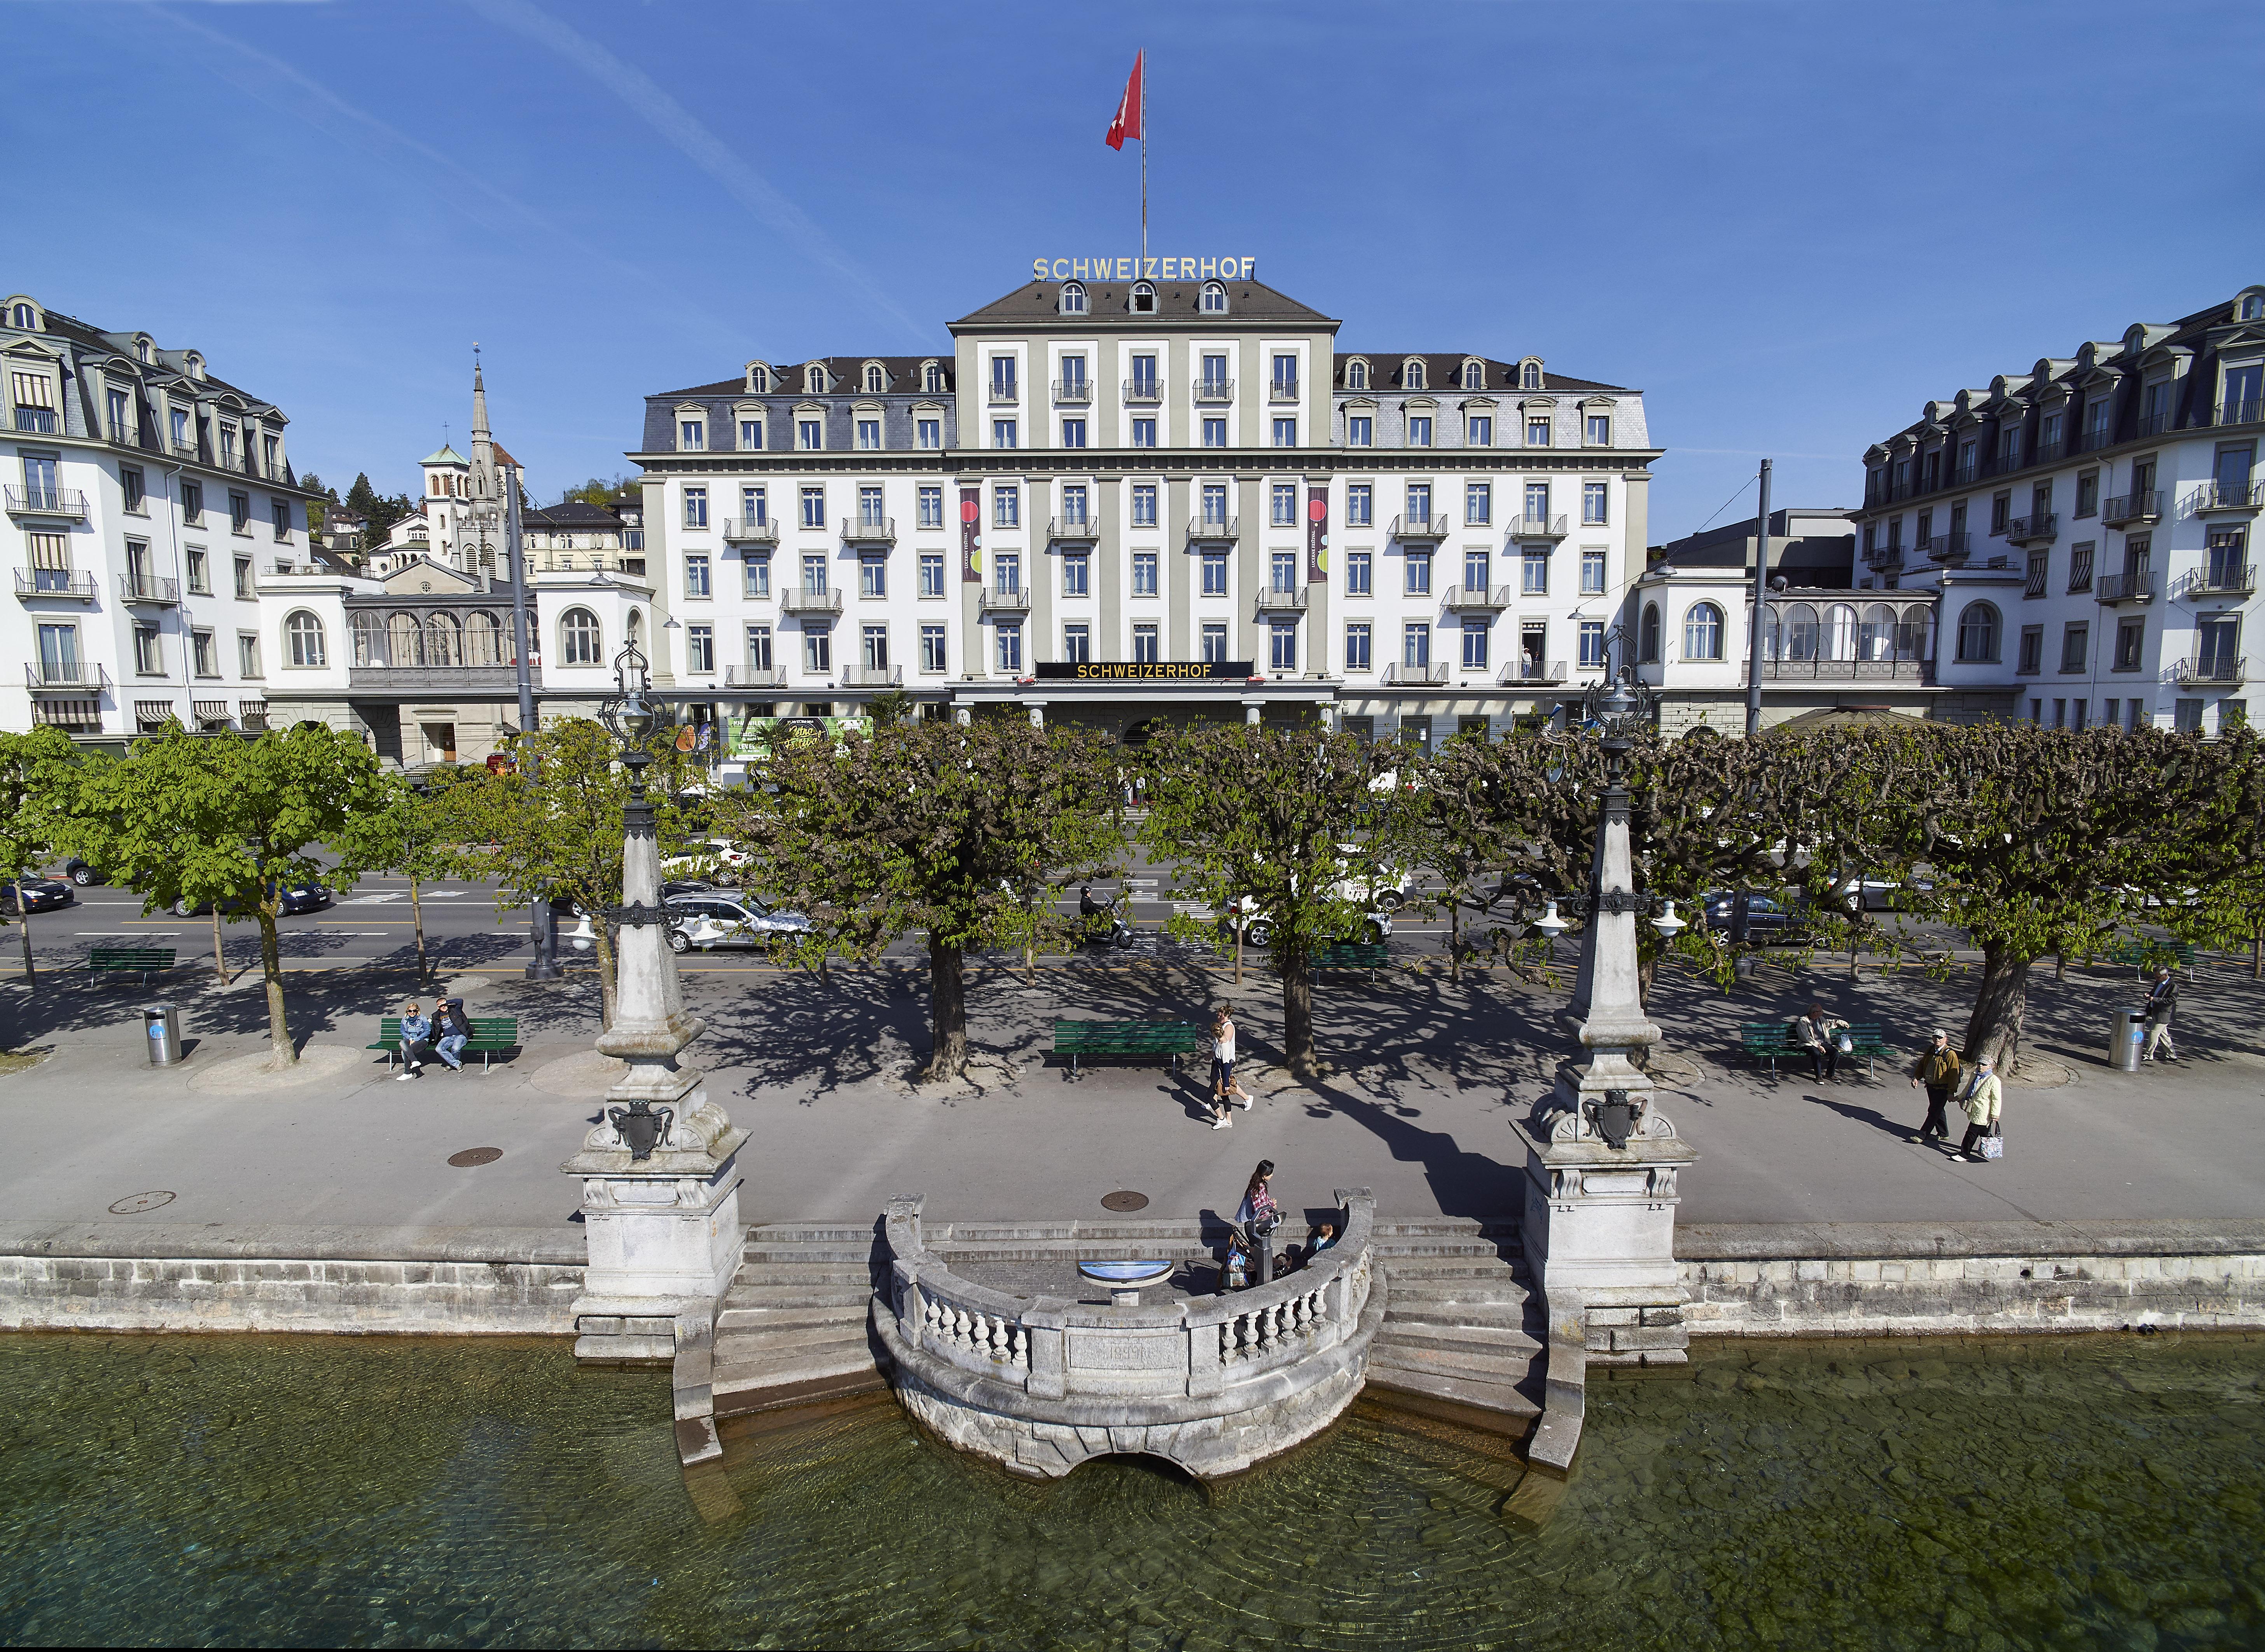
[134, 1202]
[1114, 1201]
[471, 1156]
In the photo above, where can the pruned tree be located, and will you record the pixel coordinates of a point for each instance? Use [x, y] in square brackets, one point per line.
[38, 774]
[231, 822]
[1243, 811]
[928, 826]
[413, 835]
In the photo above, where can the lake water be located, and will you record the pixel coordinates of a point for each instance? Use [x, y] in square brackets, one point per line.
[2046, 1493]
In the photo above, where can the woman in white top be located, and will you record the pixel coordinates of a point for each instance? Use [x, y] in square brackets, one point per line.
[1224, 1090]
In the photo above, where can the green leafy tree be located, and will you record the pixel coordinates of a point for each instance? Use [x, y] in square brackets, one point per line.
[413, 835]
[964, 830]
[38, 776]
[232, 822]
[1247, 811]
[383, 510]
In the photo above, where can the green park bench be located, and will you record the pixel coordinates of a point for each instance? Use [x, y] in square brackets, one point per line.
[2140, 953]
[143, 961]
[1165, 1041]
[492, 1035]
[1773, 1042]
[1351, 954]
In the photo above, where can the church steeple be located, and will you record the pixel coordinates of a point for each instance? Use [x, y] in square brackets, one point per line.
[483, 465]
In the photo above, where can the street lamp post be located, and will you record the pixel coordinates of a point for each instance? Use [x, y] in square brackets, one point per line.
[543, 917]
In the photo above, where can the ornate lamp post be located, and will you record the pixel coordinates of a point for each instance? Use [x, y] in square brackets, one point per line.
[660, 1199]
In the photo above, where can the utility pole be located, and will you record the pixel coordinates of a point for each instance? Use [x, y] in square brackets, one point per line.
[542, 921]
[1761, 611]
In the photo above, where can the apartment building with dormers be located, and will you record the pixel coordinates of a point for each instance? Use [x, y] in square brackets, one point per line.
[2088, 526]
[145, 496]
[1115, 500]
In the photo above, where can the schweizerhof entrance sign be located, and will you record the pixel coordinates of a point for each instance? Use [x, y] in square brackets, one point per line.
[1153, 269]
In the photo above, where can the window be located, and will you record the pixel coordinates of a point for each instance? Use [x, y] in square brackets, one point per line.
[1533, 571]
[1360, 431]
[579, 639]
[1478, 566]
[932, 648]
[1703, 631]
[1009, 643]
[1282, 646]
[1356, 652]
[931, 574]
[130, 489]
[1007, 572]
[200, 573]
[247, 654]
[1214, 433]
[1600, 430]
[1411, 375]
[2108, 712]
[1592, 573]
[1537, 430]
[1002, 432]
[817, 647]
[751, 435]
[2131, 643]
[1419, 430]
[1592, 645]
[1357, 573]
[872, 574]
[1537, 505]
[34, 395]
[2080, 565]
[243, 591]
[1073, 298]
[811, 435]
[1419, 504]
[1072, 433]
[1075, 566]
[871, 510]
[239, 511]
[148, 649]
[869, 434]
[1214, 573]
[2075, 646]
[1214, 505]
[205, 655]
[2000, 508]
[1415, 643]
[1144, 505]
[1002, 378]
[931, 507]
[1215, 644]
[697, 583]
[1144, 573]
[1006, 508]
[1285, 433]
[1216, 380]
[873, 647]
[192, 504]
[279, 513]
[813, 573]
[1144, 299]
[1144, 377]
[691, 435]
[1077, 644]
[227, 446]
[1593, 495]
[759, 649]
[757, 577]
[1419, 573]
[1144, 645]
[2040, 567]
[695, 508]
[1285, 570]
[1977, 633]
[1144, 432]
[931, 433]
[1356, 375]
[813, 507]
[700, 649]
[2031, 658]
[1476, 632]
[1285, 375]
[2186, 717]
[876, 380]
[1285, 500]
[1479, 430]
[1214, 298]
[1478, 504]
[1360, 506]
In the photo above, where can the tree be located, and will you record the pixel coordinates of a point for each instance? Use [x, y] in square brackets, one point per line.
[951, 828]
[556, 831]
[39, 773]
[412, 835]
[229, 821]
[317, 513]
[383, 511]
[1246, 811]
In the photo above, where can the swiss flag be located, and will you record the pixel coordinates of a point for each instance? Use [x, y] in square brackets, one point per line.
[1127, 123]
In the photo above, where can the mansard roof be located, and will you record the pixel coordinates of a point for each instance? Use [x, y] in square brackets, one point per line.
[1037, 303]
[846, 373]
[1444, 372]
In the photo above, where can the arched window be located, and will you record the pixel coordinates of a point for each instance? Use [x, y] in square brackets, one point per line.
[484, 641]
[444, 643]
[1772, 634]
[369, 647]
[1357, 375]
[1875, 637]
[1801, 632]
[1073, 298]
[636, 628]
[304, 634]
[759, 378]
[932, 379]
[2252, 306]
[1144, 299]
[1473, 376]
[813, 379]
[1214, 298]
[1912, 634]
[407, 638]
[1411, 375]
[1703, 631]
[579, 642]
[141, 349]
[23, 317]
[1647, 635]
[1977, 632]
[1840, 632]
[1529, 377]
[876, 380]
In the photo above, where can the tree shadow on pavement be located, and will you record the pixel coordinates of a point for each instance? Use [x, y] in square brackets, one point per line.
[1868, 1115]
[1462, 1182]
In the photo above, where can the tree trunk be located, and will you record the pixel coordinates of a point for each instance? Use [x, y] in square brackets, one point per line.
[219, 953]
[270, 962]
[24, 923]
[1238, 943]
[416, 914]
[946, 992]
[2257, 955]
[1995, 1029]
[1296, 965]
[1456, 941]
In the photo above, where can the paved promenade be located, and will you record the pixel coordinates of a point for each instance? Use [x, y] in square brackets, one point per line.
[1429, 1082]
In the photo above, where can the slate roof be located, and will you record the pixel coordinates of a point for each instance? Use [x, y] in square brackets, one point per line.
[1038, 301]
[573, 514]
[1444, 373]
[846, 373]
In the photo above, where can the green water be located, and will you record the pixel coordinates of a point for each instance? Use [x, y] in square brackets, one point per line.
[333, 1491]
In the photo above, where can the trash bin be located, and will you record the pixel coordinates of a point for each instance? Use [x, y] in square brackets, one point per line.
[2127, 1032]
[162, 1022]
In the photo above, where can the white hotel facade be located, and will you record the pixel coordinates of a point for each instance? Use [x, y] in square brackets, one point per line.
[1112, 501]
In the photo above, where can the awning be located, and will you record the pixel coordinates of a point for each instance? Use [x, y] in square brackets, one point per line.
[153, 710]
[211, 711]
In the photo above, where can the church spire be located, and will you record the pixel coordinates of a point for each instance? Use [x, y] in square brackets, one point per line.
[483, 466]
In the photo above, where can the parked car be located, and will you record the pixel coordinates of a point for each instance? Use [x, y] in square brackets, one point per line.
[1375, 883]
[1375, 926]
[82, 874]
[745, 919]
[718, 859]
[296, 898]
[1768, 917]
[40, 894]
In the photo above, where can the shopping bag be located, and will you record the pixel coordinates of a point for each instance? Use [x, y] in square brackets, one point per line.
[1993, 1146]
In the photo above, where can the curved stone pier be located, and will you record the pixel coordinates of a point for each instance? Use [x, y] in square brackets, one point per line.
[1213, 1384]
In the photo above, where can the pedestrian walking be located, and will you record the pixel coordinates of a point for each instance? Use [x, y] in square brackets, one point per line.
[1224, 1090]
[1938, 1069]
[416, 1043]
[2162, 998]
[1258, 1216]
[1819, 1034]
[455, 1029]
[1985, 1095]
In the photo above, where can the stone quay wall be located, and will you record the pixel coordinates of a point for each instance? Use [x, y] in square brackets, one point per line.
[154, 1276]
[1927, 1278]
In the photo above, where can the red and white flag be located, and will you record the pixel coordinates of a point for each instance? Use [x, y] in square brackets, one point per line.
[1127, 123]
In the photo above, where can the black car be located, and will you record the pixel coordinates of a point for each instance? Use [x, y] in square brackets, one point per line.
[297, 898]
[40, 894]
[1767, 917]
[82, 874]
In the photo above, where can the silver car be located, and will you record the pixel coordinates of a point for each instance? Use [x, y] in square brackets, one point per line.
[744, 920]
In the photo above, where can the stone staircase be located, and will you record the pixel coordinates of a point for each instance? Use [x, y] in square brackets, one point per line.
[792, 1329]
[1462, 1343]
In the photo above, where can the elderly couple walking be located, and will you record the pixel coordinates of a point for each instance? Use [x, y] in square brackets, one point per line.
[1981, 1099]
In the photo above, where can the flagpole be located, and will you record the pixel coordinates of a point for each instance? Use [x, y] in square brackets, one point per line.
[1144, 164]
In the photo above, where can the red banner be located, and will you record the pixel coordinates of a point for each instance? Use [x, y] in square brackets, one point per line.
[971, 523]
[1127, 123]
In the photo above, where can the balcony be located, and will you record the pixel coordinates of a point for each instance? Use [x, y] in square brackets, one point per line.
[37, 421]
[1397, 675]
[1281, 390]
[147, 587]
[2250, 410]
[2217, 499]
[2154, 424]
[1950, 549]
[796, 600]
[430, 682]
[1073, 392]
[1537, 527]
[1483, 597]
[75, 676]
[1526, 669]
[1419, 527]
[1014, 602]
[2223, 580]
[2093, 440]
[2140, 585]
[1965, 475]
[1143, 392]
[1066, 531]
[2216, 671]
[1208, 389]
[869, 530]
[2132, 507]
[738, 532]
[27, 501]
[2040, 530]
[55, 582]
[1844, 671]
[872, 677]
[754, 677]
[1214, 530]
[1004, 394]
[1272, 601]
[186, 452]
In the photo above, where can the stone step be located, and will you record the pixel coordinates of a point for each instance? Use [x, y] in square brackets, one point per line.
[798, 1295]
[805, 1272]
[824, 1233]
[811, 1256]
[1434, 1315]
[738, 1316]
[1421, 1271]
[1488, 1341]
[834, 1358]
[1478, 1361]
[1464, 1390]
[759, 1350]
[1446, 1226]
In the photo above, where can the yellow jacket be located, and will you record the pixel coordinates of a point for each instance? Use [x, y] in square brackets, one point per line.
[1984, 1100]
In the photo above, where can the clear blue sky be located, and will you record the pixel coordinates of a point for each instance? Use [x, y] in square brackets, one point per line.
[1789, 224]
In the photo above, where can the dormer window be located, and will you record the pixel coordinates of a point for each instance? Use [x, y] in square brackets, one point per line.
[1356, 375]
[691, 435]
[932, 379]
[1473, 376]
[1073, 298]
[813, 379]
[2252, 307]
[142, 351]
[1144, 299]
[1411, 375]
[876, 380]
[1529, 376]
[759, 378]
[1214, 298]
[22, 318]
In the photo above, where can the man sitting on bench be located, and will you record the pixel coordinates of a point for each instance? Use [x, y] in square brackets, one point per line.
[454, 1031]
